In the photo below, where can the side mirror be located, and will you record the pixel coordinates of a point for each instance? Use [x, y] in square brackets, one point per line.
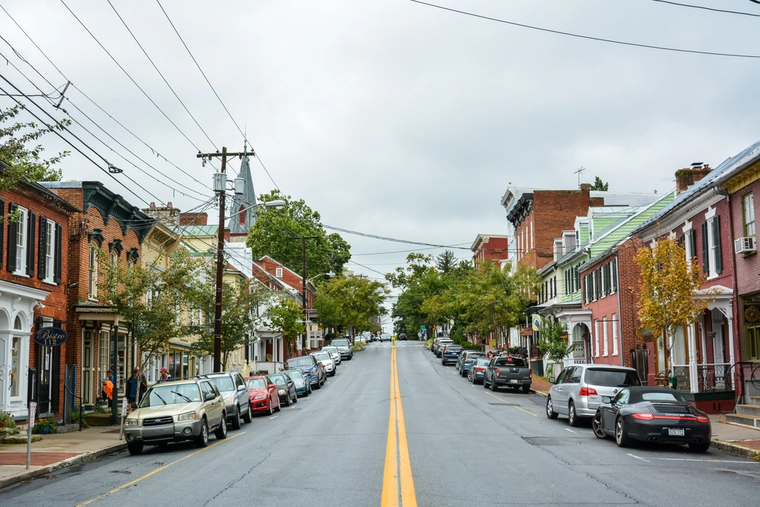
[210, 396]
[551, 379]
[241, 388]
[606, 400]
[271, 386]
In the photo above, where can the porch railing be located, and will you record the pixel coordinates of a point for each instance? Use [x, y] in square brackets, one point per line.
[710, 377]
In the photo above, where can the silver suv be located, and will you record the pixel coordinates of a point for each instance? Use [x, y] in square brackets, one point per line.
[235, 394]
[344, 347]
[578, 389]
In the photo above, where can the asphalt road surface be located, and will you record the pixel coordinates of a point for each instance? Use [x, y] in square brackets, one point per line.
[397, 428]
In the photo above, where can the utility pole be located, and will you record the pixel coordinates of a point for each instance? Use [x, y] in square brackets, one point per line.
[220, 183]
[303, 287]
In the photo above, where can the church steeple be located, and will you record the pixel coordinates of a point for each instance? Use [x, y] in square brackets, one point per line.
[242, 215]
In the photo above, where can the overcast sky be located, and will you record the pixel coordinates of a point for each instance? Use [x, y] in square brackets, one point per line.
[391, 117]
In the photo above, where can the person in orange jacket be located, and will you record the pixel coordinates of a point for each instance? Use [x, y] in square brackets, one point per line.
[108, 388]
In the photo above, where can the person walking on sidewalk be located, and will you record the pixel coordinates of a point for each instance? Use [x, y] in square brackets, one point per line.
[133, 388]
[108, 388]
[165, 377]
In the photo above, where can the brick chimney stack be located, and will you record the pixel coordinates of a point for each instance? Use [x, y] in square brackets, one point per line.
[688, 176]
[193, 219]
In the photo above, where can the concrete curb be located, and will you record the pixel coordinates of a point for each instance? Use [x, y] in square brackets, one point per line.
[540, 393]
[738, 450]
[74, 460]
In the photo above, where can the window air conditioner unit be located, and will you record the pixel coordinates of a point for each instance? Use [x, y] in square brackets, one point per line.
[744, 245]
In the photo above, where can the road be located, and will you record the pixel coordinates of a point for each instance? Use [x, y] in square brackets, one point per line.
[439, 441]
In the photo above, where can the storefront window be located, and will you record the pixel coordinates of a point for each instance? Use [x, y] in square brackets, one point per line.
[16, 365]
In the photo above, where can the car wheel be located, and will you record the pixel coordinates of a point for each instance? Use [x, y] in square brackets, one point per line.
[596, 425]
[318, 385]
[248, 415]
[287, 400]
[469, 377]
[526, 388]
[202, 440]
[221, 432]
[550, 413]
[621, 437]
[135, 448]
[572, 417]
[485, 383]
[271, 408]
[236, 419]
[295, 397]
[699, 447]
[278, 407]
[494, 387]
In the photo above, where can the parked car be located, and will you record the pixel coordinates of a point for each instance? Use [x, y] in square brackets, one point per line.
[465, 360]
[403, 337]
[303, 386]
[174, 412]
[235, 393]
[334, 353]
[450, 353]
[508, 371]
[436, 344]
[327, 361]
[286, 388]
[478, 369]
[578, 389]
[311, 368]
[344, 346]
[441, 345]
[263, 393]
[652, 414]
[385, 337]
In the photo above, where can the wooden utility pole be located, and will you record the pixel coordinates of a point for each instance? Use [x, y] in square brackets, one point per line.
[220, 187]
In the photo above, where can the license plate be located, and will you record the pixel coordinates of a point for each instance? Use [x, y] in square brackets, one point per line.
[513, 381]
[676, 432]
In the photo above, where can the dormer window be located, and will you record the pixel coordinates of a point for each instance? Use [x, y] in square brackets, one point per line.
[278, 272]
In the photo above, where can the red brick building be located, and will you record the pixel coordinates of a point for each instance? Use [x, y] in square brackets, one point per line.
[33, 281]
[489, 248]
[97, 337]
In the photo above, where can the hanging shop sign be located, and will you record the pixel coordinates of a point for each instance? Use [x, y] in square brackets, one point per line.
[50, 336]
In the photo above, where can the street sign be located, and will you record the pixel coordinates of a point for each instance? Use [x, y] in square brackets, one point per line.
[124, 407]
[32, 411]
[50, 336]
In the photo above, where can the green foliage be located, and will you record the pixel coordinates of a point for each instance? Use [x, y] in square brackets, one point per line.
[599, 184]
[286, 316]
[25, 162]
[350, 301]
[554, 342]
[6, 420]
[45, 425]
[150, 299]
[76, 415]
[278, 233]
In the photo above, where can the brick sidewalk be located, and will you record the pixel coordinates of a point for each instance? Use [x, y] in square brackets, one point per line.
[38, 459]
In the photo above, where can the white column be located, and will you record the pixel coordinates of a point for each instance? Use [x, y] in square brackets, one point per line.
[693, 382]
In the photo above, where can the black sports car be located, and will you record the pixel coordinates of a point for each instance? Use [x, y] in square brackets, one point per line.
[652, 414]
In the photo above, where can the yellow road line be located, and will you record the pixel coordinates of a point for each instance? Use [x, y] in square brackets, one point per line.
[398, 467]
[99, 497]
[505, 402]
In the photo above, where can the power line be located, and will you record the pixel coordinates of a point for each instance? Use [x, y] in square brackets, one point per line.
[586, 37]
[215, 93]
[707, 8]
[406, 251]
[385, 238]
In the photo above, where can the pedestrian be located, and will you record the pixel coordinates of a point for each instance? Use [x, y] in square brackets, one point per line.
[133, 388]
[165, 377]
[143, 387]
[107, 391]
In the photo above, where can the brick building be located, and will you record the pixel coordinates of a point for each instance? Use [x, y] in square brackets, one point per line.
[33, 281]
[489, 248]
[107, 223]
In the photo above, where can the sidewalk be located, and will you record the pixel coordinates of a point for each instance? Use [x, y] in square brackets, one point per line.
[56, 451]
[733, 438]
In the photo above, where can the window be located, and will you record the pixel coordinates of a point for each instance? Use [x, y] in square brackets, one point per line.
[93, 273]
[712, 258]
[605, 338]
[748, 211]
[613, 275]
[48, 266]
[278, 272]
[597, 332]
[15, 365]
[614, 335]
[21, 233]
[21, 241]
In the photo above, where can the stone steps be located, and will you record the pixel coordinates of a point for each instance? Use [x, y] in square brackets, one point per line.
[743, 419]
[19, 438]
[748, 409]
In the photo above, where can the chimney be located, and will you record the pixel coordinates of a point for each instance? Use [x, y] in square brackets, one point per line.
[690, 175]
[585, 187]
[193, 219]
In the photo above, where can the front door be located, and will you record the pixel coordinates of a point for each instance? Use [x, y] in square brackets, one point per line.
[88, 375]
[48, 379]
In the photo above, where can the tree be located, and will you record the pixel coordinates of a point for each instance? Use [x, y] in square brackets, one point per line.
[350, 301]
[239, 298]
[286, 316]
[149, 299]
[279, 233]
[25, 162]
[599, 184]
[445, 262]
[668, 282]
[553, 342]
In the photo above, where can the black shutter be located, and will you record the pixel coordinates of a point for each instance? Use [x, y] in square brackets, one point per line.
[716, 242]
[42, 249]
[705, 250]
[12, 231]
[2, 229]
[693, 241]
[31, 229]
[614, 265]
[58, 253]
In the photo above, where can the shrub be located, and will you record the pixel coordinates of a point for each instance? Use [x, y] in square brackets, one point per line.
[44, 426]
[6, 420]
[77, 415]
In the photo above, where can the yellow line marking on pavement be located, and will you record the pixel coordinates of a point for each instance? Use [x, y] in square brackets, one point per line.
[398, 467]
[526, 411]
[507, 403]
[99, 497]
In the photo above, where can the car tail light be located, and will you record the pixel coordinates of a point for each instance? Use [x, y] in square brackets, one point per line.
[644, 416]
[479, 368]
[530, 374]
[703, 419]
[498, 371]
[588, 391]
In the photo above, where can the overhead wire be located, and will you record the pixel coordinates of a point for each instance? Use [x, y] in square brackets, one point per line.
[702, 7]
[153, 150]
[585, 37]
[176, 31]
[396, 240]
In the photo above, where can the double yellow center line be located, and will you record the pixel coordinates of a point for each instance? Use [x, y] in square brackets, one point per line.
[398, 469]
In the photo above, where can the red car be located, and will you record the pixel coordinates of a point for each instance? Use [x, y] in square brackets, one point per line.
[263, 392]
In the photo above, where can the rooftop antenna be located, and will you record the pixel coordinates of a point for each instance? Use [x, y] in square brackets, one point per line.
[578, 172]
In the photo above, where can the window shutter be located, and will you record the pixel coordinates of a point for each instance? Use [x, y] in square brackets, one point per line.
[2, 230]
[41, 249]
[31, 229]
[705, 250]
[614, 275]
[12, 231]
[58, 253]
[716, 242]
[693, 241]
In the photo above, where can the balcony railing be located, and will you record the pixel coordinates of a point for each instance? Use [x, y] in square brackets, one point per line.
[710, 377]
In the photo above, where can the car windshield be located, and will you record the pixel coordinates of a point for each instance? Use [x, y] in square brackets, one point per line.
[171, 395]
[342, 343]
[256, 383]
[611, 378]
[278, 380]
[482, 361]
[295, 376]
[301, 361]
[223, 383]
[453, 348]
[322, 356]
[662, 396]
[511, 361]
[330, 349]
